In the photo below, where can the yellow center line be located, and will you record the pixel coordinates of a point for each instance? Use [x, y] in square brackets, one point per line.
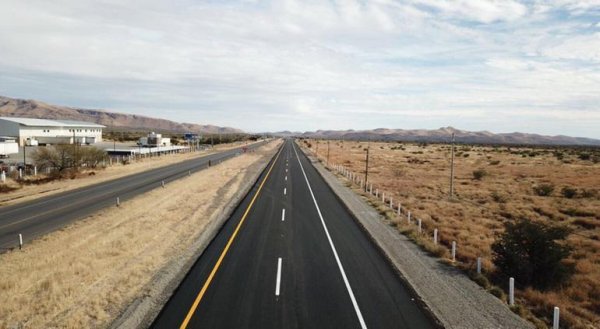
[188, 317]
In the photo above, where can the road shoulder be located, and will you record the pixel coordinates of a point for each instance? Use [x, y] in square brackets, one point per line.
[451, 297]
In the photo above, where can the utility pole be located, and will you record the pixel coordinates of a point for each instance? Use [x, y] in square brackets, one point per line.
[24, 158]
[327, 152]
[452, 169]
[367, 169]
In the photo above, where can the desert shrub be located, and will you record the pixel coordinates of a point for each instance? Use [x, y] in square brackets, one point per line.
[585, 156]
[479, 174]
[499, 197]
[559, 155]
[589, 193]
[533, 253]
[568, 192]
[544, 189]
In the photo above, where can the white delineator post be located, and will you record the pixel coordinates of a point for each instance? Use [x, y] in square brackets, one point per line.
[511, 291]
[478, 265]
[163, 184]
[377, 193]
[20, 241]
[371, 188]
[3, 176]
[391, 204]
[34, 170]
[118, 202]
[20, 173]
[382, 196]
[399, 211]
[435, 234]
[408, 217]
[419, 223]
[556, 318]
[453, 251]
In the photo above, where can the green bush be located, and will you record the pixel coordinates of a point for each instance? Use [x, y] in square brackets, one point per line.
[544, 189]
[533, 253]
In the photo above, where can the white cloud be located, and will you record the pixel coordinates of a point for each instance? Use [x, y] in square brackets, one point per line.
[278, 65]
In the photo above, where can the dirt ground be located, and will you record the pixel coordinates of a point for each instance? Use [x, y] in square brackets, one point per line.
[84, 275]
[418, 175]
[29, 192]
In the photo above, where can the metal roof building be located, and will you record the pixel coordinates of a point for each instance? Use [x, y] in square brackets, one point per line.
[27, 130]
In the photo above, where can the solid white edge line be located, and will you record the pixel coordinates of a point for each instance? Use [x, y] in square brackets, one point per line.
[283, 214]
[278, 284]
[337, 258]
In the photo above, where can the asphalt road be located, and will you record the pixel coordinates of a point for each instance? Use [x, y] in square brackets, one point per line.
[291, 256]
[41, 216]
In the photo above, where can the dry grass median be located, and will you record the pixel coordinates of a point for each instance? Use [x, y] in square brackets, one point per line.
[84, 275]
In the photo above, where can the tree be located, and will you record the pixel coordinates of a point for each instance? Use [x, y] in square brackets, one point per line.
[61, 157]
[533, 253]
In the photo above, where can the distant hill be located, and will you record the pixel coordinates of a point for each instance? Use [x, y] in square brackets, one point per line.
[10, 107]
[444, 135]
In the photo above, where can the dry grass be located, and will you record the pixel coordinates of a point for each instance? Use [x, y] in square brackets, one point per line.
[13, 192]
[85, 274]
[418, 176]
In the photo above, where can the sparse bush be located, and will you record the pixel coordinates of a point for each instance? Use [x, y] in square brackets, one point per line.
[479, 174]
[533, 252]
[585, 156]
[544, 189]
[568, 192]
[591, 193]
[499, 197]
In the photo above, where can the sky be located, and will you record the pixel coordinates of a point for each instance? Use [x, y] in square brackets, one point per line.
[502, 66]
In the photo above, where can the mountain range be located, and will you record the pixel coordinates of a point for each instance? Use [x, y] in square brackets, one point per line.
[443, 135]
[10, 107]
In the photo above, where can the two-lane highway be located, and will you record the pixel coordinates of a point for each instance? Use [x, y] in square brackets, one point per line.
[40, 216]
[291, 256]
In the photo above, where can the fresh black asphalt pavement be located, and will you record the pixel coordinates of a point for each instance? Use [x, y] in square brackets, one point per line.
[43, 215]
[298, 260]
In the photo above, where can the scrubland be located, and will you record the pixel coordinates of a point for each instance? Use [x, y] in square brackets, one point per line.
[493, 184]
[86, 274]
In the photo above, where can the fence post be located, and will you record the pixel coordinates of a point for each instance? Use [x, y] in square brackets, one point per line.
[511, 291]
[478, 265]
[453, 251]
[556, 318]
[435, 234]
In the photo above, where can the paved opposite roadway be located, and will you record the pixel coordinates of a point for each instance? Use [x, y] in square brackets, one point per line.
[291, 256]
[41, 216]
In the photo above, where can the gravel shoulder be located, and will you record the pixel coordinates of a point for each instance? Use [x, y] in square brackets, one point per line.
[452, 298]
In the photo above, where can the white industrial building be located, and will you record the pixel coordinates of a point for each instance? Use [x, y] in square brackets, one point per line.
[28, 131]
